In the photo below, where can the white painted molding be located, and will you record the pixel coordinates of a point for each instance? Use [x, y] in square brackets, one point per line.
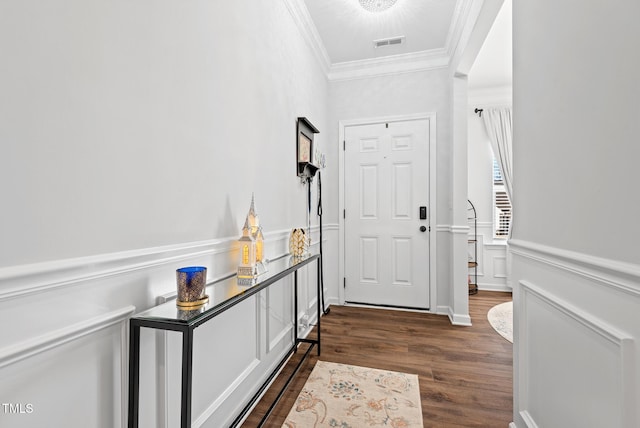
[457, 319]
[309, 32]
[620, 275]
[408, 63]
[443, 310]
[497, 274]
[503, 288]
[512, 425]
[389, 65]
[38, 344]
[454, 229]
[613, 335]
[210, 410]
[622, 340]
[20, 281]
[456, 29]
[528, 419]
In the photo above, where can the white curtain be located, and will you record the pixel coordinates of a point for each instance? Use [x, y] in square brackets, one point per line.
[497, 122]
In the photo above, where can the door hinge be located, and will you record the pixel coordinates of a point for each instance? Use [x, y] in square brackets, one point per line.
[344, 145]
[344, 214]
[344, 283]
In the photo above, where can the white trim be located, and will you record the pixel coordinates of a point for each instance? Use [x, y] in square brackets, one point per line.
[13, 353]
[411, 62]
[432, 118]
[495, 270]
[309, 32]
[458, 319]
[456, 29]
[211, 409]
[594, 324]
[389, 65]
[621, 339]
[494, 287]
[20, 281]
[528, 419]
[443, 310]
[454, 229]
[620, 275]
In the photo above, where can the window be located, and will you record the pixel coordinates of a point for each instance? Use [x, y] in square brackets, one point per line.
[501, 205]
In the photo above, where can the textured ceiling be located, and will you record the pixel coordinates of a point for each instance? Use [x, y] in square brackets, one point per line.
[348, 31]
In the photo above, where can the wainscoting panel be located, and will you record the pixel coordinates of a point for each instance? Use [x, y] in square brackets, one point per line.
[69, 383]
[492, 261]
[64, 347]
[576, 340]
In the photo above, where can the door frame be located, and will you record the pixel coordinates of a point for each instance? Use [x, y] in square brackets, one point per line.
[431, 117]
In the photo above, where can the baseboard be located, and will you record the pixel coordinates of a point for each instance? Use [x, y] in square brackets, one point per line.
[457, 319]
[495, 287]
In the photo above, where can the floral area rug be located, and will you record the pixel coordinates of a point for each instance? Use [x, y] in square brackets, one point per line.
[501, 319]
[338, 395]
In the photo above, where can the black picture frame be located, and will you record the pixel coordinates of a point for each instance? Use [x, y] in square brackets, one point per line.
[304, 147]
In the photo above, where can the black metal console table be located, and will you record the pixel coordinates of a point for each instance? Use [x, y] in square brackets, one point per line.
[168, 317]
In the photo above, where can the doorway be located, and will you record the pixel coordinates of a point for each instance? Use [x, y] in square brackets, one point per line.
[387, 203]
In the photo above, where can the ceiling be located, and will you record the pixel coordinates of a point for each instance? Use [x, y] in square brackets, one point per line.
[348, 31]
[493, 65]
[431, 30]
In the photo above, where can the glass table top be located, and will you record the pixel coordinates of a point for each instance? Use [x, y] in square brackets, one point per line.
[224, 293]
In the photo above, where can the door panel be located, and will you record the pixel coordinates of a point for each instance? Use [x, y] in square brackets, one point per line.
[386, 181]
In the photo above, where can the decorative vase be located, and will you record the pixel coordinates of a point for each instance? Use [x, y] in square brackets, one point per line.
[191, 281]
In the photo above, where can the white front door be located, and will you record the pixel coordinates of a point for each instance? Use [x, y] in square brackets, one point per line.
[386, 240]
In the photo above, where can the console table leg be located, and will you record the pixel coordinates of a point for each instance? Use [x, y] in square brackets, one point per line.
[319, 299]
[295, 311]
[187, 374]
[134, 375]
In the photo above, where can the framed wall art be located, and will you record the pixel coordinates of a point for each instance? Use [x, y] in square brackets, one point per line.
[304, 147]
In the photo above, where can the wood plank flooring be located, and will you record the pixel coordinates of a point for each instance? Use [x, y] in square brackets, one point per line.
[465, 373]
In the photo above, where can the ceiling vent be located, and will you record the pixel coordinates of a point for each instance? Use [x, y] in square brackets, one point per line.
[392, 41]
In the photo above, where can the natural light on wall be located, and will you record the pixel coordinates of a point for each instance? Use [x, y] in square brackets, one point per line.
[502, 205]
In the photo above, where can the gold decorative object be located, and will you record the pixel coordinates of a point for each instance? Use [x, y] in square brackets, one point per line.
[252, 261]
[298, 243]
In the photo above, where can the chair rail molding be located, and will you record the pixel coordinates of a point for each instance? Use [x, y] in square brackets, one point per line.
[35, 345]
[620, 275]
[23, 280]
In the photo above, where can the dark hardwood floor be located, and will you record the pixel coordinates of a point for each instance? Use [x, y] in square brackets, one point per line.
[465, 373]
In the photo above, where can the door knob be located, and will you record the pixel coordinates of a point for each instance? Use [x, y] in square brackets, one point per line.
[423, 228]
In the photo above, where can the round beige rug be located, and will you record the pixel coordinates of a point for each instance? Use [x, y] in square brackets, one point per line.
[501, 319]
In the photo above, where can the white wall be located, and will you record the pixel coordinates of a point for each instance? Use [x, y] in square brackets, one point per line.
[133, 135]
[576, 265]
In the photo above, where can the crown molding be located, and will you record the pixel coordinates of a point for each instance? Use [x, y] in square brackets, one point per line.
[388, 65]
[459, 21]
[309, 32]
[384, 66]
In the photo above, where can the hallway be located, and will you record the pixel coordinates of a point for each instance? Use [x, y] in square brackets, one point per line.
[465, 373]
